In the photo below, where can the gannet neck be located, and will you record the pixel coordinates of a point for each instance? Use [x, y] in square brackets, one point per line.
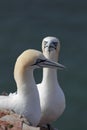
[49, 75]
[23, 72]
[52, 55]
[26, 83]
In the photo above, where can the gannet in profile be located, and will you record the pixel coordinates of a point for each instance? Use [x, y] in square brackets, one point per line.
[52, 99]
[26, 102]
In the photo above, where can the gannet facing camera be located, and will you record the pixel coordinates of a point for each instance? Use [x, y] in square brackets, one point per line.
[26, 102]
[52, 99]
[51, 48]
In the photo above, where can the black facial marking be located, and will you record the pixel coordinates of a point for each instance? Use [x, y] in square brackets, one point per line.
[55, 43]
[45, 42]
[38, 61]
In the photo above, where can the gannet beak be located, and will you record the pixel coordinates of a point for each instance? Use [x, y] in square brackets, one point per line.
[51, 64]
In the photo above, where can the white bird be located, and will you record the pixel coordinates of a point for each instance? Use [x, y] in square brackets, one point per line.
[26, 102]
[52, 99]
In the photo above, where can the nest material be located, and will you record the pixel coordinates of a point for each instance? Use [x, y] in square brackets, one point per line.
[9, 120]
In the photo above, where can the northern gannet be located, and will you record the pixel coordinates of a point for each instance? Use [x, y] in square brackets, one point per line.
[26, 102]
[52, 99]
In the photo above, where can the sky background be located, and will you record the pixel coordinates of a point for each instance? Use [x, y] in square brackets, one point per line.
[23, 25]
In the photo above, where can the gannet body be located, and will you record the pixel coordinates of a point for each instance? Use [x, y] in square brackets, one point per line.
[26, 101]
[52, 99]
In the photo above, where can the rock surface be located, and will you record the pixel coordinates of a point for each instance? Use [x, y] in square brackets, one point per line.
[9, 120]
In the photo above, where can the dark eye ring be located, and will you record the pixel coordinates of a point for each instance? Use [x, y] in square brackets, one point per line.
[40, 60]
[45, 42]
[55, 43]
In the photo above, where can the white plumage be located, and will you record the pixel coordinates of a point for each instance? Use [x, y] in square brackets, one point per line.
[26, 101]
[52, 99]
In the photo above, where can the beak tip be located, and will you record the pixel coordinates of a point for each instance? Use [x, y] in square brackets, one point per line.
[63, 67]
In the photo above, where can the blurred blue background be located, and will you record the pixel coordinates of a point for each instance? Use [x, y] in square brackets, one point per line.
[23, 25]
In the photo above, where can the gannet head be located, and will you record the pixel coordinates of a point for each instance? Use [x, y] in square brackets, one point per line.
[31, 59]
[51, 47]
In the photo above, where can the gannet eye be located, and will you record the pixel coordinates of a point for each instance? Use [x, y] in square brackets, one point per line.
[45, 42]
[55, 43]
[38, 61]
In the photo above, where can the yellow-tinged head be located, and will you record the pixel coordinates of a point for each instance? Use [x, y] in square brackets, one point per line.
[51, 47]
[31, 59]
